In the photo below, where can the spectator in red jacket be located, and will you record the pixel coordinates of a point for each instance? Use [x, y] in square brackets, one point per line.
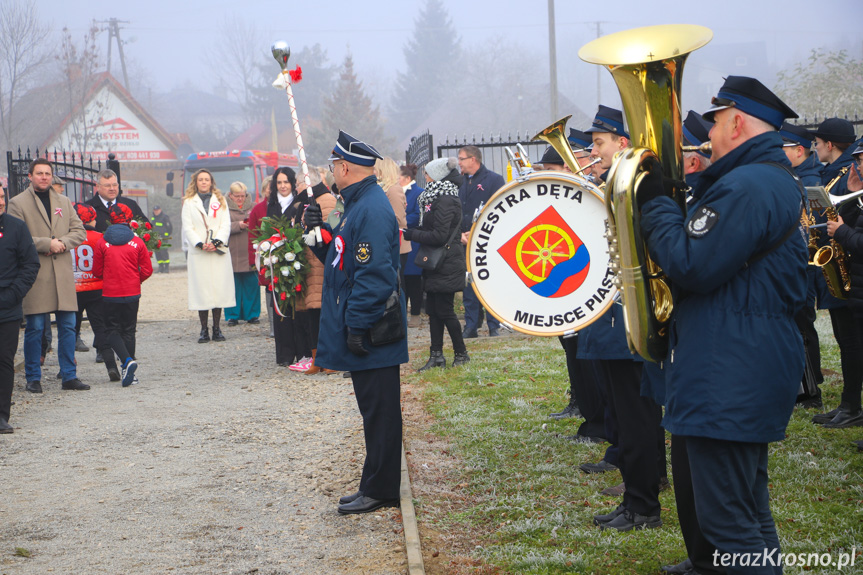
[122, 261]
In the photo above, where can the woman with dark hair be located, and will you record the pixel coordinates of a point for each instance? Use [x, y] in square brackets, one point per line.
[439, 225]
[207, 230]
[290, 333]
[413, 280]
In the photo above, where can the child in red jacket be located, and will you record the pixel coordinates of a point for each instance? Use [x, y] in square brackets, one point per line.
[122, 261]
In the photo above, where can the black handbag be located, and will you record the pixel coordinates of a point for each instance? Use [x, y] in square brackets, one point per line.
[391, 327]
[429, 258]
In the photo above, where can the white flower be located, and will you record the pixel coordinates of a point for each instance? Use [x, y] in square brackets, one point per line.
[286, 271]
[264, 246]
[274, 258]
[255, 246]
[290, 256]
[297, 266]
[278, 244]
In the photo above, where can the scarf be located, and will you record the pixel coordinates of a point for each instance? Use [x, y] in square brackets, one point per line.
[205, 198]
[432, 192]
[285, 201]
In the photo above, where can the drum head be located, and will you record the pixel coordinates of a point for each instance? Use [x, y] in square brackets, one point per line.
[538, 256]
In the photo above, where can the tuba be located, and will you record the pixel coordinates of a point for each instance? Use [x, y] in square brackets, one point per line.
[555, 136]
[647, 66]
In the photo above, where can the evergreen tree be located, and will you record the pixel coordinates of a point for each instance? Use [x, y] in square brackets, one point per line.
[430, 55]
[349, 109]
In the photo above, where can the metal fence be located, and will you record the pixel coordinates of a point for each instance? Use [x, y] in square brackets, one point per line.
[78, 173]
[493, 155]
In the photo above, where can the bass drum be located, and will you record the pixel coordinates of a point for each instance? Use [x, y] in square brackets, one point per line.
[538, 256]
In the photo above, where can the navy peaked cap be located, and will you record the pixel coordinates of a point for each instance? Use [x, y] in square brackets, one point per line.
[354, 151]
[551, 157]
[752, 97]
[696, 130]
[608, 120]
[836, 130]
[796, 135]
[579, 140]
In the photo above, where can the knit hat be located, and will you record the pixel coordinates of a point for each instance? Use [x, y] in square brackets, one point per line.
[440, 168]
[86, 213]
[120, 214]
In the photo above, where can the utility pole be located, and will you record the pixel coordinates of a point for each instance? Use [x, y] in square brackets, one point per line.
[113, 27]
[552, 59]
[598, 69]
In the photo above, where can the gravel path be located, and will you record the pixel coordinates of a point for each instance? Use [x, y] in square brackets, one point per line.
[218, 462]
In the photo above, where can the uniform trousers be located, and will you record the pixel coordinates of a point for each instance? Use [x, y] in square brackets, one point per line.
[248, 297]
[609, 423]
[92, 302]
[8, 346]
[638, 420]
[439, 307]
[698, 548]
[473, 312]
[162, 257]
[65, 344]
[729, 481]
[846, 328]
[121, 323]
[378, 397]
[584, 389]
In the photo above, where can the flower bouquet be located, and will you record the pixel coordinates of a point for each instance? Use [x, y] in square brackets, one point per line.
[144, 230]
[281, 262]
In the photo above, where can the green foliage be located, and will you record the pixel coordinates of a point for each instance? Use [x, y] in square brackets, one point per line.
[348, 108]
[825, 85]
[431, 54]
[529, 509]
[21, 552]
[281, 256]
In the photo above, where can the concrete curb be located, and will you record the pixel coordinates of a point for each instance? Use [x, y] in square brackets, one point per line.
[409, 522]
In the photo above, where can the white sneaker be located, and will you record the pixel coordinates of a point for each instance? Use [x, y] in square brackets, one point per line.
[302, 365]
[128, 373]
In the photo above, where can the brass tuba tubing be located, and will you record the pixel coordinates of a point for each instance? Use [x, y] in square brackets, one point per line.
[555, 136]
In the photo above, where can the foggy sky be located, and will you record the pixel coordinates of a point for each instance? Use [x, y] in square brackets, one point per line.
[169, 38]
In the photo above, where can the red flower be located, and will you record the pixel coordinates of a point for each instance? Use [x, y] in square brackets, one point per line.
[283, 296]
[296, 75]
[133, 224]
[158, 244]
[147, 226]
[298, 288]
[146, 237]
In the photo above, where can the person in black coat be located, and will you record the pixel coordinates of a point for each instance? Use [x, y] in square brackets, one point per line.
[106, 194]
[19, 266]
[439, 227]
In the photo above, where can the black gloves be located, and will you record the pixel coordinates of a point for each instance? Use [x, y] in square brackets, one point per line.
[652, 185]
[313, 216]
[355, 342]
[406, 235]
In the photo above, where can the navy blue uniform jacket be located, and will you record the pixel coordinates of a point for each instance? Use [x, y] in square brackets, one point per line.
[356, 295]
[476, 190]
[412, 216]
[19, 266]
[736, 356]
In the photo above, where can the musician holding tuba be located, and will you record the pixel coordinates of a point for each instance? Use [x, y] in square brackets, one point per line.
[737, 262]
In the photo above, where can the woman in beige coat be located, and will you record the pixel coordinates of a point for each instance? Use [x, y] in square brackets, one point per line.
[207, 229]
[247, 291]
[388, 177]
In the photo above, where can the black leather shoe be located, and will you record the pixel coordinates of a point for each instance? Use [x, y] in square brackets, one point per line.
[217, 334]
[5, 427]
[570, 410]
[823, 418]
[34, 386]
[493, 333]
[682, 568]
[845, 419]
[460, 358]
[600, 519]
[588, 439]
[113, 374]
[75, 385]
[469, 334]
[365, 504]
[254, 321]
[205, 335]
[349, 498]
[80, 345]
[600, 467]
[99, 358]
[629, 520]
[233, 322]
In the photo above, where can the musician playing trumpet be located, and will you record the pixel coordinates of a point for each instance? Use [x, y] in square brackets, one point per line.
[737, 261]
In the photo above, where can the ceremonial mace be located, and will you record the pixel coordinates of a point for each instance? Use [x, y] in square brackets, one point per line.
[281, 52]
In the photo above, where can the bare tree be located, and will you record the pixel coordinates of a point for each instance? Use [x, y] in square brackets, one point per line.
[23, 38]
[80, 64]
[236, 59]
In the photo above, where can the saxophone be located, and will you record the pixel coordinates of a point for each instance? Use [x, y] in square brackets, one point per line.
[831, 258]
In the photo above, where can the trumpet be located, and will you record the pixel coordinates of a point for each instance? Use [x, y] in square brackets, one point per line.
[705, 148]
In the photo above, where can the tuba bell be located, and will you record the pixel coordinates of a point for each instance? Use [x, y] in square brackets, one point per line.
[647, 66]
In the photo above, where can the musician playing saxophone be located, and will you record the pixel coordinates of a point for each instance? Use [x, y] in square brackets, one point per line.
[737, 261]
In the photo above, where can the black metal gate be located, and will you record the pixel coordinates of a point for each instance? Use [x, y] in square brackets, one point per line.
[420, 152]
[493, 155]
[78, 173]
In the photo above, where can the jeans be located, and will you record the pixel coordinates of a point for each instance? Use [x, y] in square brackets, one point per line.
[65, 345]
[473, 312]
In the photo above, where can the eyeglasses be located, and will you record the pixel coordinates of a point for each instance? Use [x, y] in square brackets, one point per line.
[464, 159]
[333, 166]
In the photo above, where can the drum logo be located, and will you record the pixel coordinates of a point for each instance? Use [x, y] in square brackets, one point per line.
[548, 256]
